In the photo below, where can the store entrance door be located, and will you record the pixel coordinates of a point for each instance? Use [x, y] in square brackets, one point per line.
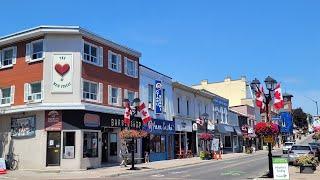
[53, 148]
[105, 143]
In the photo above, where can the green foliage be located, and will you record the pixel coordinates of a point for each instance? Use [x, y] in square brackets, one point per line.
[204, 155]
[307, 160]
[299, 117]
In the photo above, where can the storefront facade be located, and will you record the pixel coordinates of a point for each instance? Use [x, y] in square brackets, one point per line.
[184, 137]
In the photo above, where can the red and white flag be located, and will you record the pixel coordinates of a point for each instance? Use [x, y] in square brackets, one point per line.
[127, 114]
[259, 98]
[278, 99]
[144, 114]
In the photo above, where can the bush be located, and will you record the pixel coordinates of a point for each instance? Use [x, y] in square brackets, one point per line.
[307, 160]
[204, 155]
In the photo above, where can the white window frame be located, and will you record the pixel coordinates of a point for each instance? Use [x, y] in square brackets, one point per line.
[119, 68]
[97, 93]
[29, 51]
[119, 96]
[135, 67]
[28, 94]
[13, 59]
[151, 104]
[99, 54]
[10, 99]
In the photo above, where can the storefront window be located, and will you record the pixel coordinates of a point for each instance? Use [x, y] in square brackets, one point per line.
[90, 144]
[227, 141]
[113, 144]
[157, 143]
[68, 145]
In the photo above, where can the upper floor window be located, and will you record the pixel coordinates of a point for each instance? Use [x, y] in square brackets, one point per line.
[93, 54]
[178, 103]
[131, 68]
[163, 100]
[188, 108]
[92, 91]
[130, 95]
[114, 96]
[33, 92]
[7, 95]
[35, 51]
[8, 57]
[150, 96]
[114, 61]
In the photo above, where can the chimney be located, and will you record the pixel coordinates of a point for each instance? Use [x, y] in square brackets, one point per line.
[227, 79]
[204, 82]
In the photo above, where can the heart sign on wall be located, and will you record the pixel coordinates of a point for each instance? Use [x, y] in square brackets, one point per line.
[62, 69]
[62, 73]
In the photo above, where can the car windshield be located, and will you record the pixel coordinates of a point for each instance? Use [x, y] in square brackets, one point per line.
[303, 148]
[288, 144]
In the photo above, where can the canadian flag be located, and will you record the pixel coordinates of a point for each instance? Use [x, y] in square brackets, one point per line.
[260, 98]
[278, 99]
[144, 114]
[127, 114]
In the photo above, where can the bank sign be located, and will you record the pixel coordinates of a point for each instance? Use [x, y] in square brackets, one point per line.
[62, 73]
[158, 85]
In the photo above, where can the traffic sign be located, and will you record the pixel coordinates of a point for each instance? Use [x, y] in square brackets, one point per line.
[280, 168]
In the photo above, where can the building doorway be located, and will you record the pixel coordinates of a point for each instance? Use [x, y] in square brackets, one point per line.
[105, 147]
[53, 148]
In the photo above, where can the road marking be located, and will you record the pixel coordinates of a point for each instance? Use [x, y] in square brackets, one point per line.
[233, 173]
[158, 175]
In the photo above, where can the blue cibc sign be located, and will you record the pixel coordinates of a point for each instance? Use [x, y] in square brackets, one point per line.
[158, 89]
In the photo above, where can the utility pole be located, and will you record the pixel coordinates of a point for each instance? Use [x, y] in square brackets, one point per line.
[316, 102]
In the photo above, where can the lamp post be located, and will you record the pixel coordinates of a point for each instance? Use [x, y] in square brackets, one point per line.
[135, 108]
[205, 118]
[316, 102]
[270, 85]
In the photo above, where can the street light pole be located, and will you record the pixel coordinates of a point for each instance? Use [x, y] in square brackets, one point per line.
[316, 102]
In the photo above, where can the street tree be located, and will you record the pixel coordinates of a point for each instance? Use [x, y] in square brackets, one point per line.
[300, 118]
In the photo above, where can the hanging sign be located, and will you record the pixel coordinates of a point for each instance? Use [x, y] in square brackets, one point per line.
[268, 139]
[280, 168]
[62, 73]
[158, 93]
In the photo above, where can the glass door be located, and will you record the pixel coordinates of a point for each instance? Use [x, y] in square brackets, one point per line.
[53, 148]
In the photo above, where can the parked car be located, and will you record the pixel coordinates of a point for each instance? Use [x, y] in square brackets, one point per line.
[297, 151]
[315, 150]
[286, 147]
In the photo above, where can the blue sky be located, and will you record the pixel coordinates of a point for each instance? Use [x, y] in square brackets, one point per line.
[195, 40]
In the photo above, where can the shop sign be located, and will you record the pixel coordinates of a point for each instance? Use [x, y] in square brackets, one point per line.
[280, 168]
[195, 127]
[268, 139]
[119, 122]
[53, 121]
[215, 144]
[91, 120]
[183, 125]
[158, 126]
[250, 130]
[62, 73]
[23, 127]
[158, 93]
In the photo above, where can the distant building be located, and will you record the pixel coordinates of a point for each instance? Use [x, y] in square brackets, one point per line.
[287, 98]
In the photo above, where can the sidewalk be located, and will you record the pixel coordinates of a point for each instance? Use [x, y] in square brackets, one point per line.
[117, 170]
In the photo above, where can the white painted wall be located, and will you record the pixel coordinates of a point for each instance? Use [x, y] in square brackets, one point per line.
[62, 44]
[147, 77]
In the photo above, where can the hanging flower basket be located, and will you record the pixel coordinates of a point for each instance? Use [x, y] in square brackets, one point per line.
[266, 129]
[206, 136]
[128, 134]
[316, 136]
[316, 129]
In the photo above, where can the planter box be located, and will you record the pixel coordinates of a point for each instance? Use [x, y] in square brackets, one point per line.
[307, 169]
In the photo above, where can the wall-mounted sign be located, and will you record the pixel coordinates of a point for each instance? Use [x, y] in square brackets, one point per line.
[158, 93]
[195, 127]
[183, 125]
[91, 120]
[62, 73]
[53, 121]
[22, 127]
[158, 126]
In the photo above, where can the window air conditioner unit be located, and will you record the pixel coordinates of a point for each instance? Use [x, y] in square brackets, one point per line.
[30, 98]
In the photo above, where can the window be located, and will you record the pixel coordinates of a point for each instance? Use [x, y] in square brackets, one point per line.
[33, 92]
[90, 144]
[131, 68]
[90, 53]
[37, 50]
[188, 109]
[8, 57]
[69, 145]
[114, 61]
[115, 96]
[5, 96]
[90, 90]
[131, 96]
[157, 143]
[178, 102]
[150, 96]
[113, 144]
[163, 100]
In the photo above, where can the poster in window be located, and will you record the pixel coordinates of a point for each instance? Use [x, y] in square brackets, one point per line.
[69, 152]
[23, 127]
[62, 73]
[94, 143]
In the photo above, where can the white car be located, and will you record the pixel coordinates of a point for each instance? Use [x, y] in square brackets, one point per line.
[286, 147]
[298, 150]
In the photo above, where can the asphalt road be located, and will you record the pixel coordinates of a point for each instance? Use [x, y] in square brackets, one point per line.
[242, 168]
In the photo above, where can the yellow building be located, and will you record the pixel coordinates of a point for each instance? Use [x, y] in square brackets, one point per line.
[237, 91]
